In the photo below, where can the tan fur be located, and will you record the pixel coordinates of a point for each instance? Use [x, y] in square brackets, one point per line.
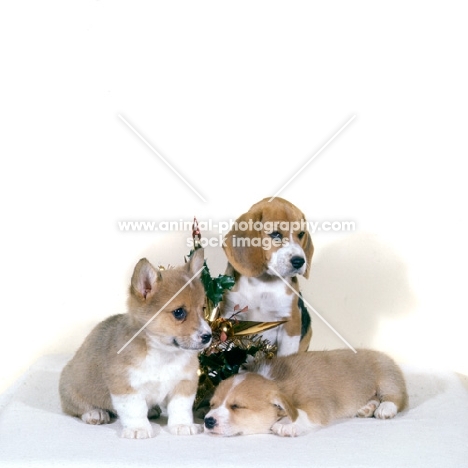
[97, 371]
[324, 385]
[305, 342]
[253, 262]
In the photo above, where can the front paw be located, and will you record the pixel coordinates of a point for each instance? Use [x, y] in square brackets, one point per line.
[285, 430]
[185, 429]
[140, 432]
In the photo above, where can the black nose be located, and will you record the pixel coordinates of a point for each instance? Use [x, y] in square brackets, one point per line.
[205, 338]
[210, 422]
[297, 262]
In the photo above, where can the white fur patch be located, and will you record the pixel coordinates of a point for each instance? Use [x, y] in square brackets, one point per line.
[180, 415]
[203, 328]
[288, 344]
[280, 261]
[155, 379]
[286, 428]
[386, 410]
[186, 429]
[132, 411]
[266, 300]
[159, 372]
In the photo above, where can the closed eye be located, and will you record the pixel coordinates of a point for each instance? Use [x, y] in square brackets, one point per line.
[236, 407]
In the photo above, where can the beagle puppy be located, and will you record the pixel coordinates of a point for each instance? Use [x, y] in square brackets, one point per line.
[267, 248]
[293, 395]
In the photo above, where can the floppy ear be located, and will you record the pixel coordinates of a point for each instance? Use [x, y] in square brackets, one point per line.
[243, 248]
[285, 407]
[144, 279]
[309, 251]
[196, 262]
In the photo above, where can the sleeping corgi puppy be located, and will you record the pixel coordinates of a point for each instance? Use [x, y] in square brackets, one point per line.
[292, 395]
[131, 364]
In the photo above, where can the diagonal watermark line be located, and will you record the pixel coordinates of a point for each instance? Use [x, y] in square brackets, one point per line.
[313, 310]
[313, 157]
[160, 157]
[158, 312]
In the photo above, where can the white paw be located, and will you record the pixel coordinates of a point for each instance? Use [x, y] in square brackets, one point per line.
[96, 416]
[285, 430]
[368, 410]
[139, 432]
[185, 429]
[386, 410]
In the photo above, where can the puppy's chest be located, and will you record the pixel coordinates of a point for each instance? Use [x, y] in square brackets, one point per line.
[265, 300]
[159, 372]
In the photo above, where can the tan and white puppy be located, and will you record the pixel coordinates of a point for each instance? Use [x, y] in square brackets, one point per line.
[158, 368]
[292, 395]
[268, 246]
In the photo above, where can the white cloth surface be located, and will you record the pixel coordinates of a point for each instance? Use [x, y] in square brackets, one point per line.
[433, 432]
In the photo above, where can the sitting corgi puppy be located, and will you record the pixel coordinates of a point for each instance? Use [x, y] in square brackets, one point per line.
[291, 395]
[126, 370]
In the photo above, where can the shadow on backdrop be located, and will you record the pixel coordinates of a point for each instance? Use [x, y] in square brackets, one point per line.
[355, 282]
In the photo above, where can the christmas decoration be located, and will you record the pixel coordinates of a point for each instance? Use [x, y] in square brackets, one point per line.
[234, 342]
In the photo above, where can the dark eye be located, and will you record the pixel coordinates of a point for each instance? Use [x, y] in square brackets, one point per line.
[179, 314]
[276, 235]
[235, 406]
[301, 234]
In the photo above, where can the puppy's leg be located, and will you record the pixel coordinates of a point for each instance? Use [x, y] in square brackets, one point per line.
[367, 411]
[392, 392]
[132, 410]
[386, 410]
[73, 404]
[179, 410]
[180, 417]
[286, 428]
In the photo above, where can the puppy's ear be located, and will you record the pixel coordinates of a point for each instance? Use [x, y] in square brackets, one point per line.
[243, 247]
[196, 261]
[284, 407]
[144, 279]
[308, 248]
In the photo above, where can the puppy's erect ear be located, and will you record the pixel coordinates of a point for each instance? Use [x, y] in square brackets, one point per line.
[243, 248]
[196, 261]
[285, 407]
[144, 279]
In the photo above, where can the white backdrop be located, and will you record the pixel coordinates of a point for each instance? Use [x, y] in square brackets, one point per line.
[237, 97]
